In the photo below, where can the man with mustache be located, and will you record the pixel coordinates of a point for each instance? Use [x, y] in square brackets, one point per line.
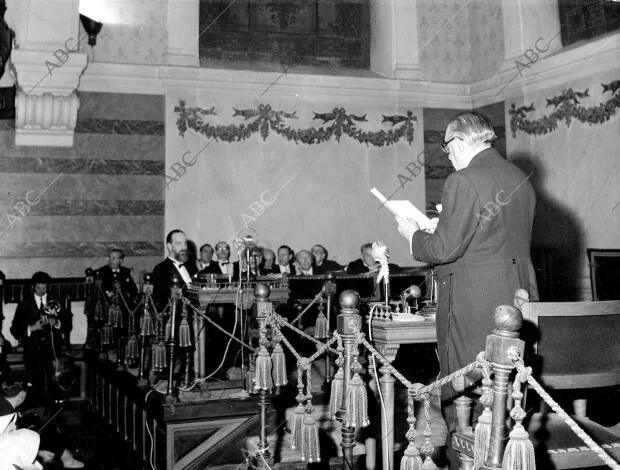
[175, 265]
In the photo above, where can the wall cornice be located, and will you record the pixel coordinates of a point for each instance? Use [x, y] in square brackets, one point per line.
[576, 62]
[572, 63]
[143, 79]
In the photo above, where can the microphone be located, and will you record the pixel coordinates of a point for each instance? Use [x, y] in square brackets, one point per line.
[380, 252]
[412, 291]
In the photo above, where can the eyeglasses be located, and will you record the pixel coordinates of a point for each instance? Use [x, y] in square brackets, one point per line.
[444, 146]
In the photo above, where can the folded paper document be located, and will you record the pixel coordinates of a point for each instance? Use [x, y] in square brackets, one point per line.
[403, 209]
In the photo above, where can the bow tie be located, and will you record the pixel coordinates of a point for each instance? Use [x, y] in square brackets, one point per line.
[116, 270]
[223, 263]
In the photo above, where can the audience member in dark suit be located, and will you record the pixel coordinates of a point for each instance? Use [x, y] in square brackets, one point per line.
[304, 261]
[365, 264]
[205, 264]
[285, 260]
[269, 265]
[256, 260]
[13, 392]
[322, 265]
[39, 333]
[114, 272]
[222, 251]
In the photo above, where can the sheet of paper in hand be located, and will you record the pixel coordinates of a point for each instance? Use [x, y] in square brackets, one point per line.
[404, 209]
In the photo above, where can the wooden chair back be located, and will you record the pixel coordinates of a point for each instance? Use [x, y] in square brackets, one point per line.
[577, 342]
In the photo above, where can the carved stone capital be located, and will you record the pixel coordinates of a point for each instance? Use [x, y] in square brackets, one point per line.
[46, 102]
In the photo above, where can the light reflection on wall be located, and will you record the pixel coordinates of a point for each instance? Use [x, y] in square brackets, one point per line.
[106, 11]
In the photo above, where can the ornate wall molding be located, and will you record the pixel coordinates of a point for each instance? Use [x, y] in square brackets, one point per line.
[46, 102]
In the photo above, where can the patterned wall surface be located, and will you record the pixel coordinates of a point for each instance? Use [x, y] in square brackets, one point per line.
[135, 32]
[444, 38]
[63, 207]
[460, 40]
[487, 39]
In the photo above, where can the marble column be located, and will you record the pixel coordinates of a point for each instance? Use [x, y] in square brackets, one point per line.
[48, 69]
[394, 47]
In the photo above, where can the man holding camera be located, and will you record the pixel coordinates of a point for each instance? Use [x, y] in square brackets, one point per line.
[38, 325]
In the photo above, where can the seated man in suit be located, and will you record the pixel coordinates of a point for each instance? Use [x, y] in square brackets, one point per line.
[175, 265]
[38, 325]
[285, 260]
[13, 391]
[255, 267]
[365, 264]
[269, 265]
[322, 265]
[222, 250]
[205, 264]
[304, 261]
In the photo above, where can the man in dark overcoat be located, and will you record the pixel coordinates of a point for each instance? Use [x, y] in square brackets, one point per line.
[481, 244]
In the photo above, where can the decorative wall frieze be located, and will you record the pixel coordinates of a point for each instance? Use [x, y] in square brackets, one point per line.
[264, 120]
[567, 108]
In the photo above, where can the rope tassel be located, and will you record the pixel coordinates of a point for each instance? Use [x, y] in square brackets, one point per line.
[519, 453]
[320, 328]
[262, 380]
[310, 450]
[278, 361]
[357, 404]
[133, 349]
[482, 434]
[335, 398]
[296, 432]
[159, 357]
[184, 336]
[411, 460]
[147, 327]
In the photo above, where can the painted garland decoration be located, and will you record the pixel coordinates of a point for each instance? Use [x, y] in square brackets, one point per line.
[567, 107]
[265, 120]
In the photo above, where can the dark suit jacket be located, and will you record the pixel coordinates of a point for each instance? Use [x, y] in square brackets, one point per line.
[5, 407]
[261, 272]
[276, 269]
[213, 268]
[162, 280]
[273, 270]
[27, 314]
[357, 267]
[128, 286]
[482, 247]
[327, 266]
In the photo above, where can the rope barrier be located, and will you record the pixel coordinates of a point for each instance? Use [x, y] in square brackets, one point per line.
[315, 300]
[421, 390]
[525, 374]
[276, 319]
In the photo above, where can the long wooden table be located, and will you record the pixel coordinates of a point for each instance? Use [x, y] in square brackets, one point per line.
[387, 336]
